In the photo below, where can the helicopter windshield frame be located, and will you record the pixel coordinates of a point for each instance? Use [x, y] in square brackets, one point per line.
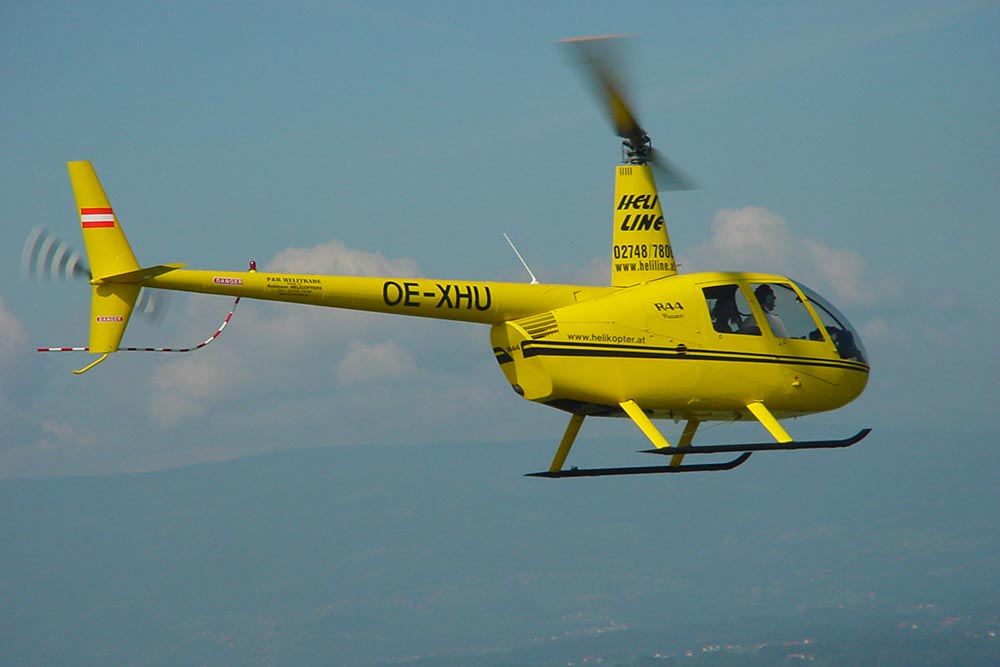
[785, 309]
[839, 329]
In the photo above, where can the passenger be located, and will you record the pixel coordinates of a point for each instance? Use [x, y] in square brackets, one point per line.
[726, 316]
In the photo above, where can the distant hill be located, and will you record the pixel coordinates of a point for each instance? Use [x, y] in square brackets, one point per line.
[366, 555]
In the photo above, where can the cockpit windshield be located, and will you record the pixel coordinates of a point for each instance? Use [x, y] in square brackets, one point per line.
[844, 336]
[785, 315]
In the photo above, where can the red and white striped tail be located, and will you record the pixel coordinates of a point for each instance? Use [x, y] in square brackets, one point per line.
[216, 334]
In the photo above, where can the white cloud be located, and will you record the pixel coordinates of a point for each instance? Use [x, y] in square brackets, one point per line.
[751, 234]
[754, 238]
[59, 435]
[846, 273]
[18, 382]
[50, 446]
[13, 336]
[181, 390]
[276, 341]
[366, 364]
[335, 258]
[282, 369]
[877, 331]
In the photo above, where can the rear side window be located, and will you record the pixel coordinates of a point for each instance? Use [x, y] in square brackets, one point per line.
[729, 310]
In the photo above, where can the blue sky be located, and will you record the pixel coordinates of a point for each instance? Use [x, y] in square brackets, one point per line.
[852, 145]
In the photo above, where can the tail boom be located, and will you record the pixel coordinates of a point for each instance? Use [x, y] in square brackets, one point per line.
[465, 301]
[117, 278]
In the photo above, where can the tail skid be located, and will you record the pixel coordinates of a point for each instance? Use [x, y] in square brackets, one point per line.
[218, 332]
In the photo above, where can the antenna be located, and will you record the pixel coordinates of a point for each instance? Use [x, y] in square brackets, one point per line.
[598, 271]
[534, 280]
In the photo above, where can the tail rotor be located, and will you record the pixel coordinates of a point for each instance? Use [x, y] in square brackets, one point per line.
[46, 257]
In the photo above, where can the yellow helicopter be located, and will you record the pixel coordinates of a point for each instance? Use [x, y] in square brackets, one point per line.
[654, 344]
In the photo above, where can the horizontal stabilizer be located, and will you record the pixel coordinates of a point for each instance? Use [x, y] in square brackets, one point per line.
[140, 275]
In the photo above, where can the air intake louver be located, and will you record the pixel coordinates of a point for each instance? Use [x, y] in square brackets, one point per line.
[539, 326]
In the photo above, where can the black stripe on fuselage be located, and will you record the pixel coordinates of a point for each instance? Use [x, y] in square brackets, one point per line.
[533, 348]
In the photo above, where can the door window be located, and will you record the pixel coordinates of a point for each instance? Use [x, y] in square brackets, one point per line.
[729, 310]
[786, 315]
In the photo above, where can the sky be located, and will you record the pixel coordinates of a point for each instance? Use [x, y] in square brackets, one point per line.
[851, 145]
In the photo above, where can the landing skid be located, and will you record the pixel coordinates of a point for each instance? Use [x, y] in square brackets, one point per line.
[643, 470]
[763, 446]
[783, 441]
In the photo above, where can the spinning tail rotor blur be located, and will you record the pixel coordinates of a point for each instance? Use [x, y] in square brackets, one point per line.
[47, 257]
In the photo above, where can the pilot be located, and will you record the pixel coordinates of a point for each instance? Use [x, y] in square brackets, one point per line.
[765, 295]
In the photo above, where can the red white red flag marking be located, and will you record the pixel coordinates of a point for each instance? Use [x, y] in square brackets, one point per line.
[94, 218]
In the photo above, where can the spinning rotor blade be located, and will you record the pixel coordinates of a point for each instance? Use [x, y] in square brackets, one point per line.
[601, 59]
[46, 256]
[668, 176]
[153, 304]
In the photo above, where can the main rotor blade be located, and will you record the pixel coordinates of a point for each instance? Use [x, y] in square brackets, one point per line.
[668, 176]
[600, 58]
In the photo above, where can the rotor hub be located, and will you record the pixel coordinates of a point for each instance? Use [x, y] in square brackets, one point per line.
[637, 149]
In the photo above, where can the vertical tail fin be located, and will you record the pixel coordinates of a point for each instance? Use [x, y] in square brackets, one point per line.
[107, 248]
[110, 309]
[109, 254]
[641, 246]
